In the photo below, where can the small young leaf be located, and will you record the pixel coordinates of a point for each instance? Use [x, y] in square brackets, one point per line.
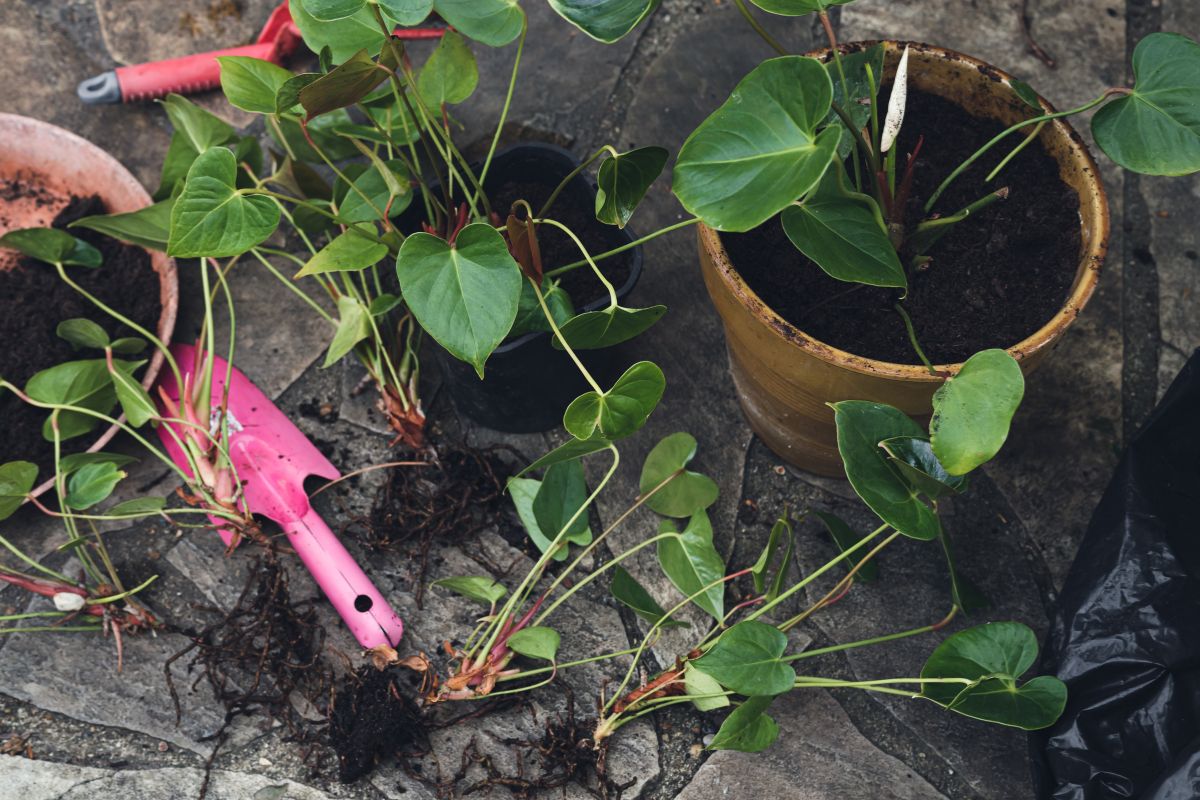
[384, 303]
[128, 345]
[69, 463]
[52, 246]
[1028, 96]
[854, 97]
[351, 251]
[746, 659]
[747, 729]
[692, 563]
[251, 84]
[595, 329]
[706, 693]
[622, 410]
[562, 493]
[780, 531]
[450, 75]
[530, 316]
[148, 227]
[214, 219]
[346, 84]
[538, 642]
[16, 481]
[623, 180]
[475, 587]
[994, 656]
[604, 21]
[845, 538]
[353, 326]
[376, 191]
[81, 332]
[686, 493]
[464, 296]
[629, 592]
[972, 411]
[138, 505]
[913, 458]
[91, 484]
[523, 491]
[135, 401]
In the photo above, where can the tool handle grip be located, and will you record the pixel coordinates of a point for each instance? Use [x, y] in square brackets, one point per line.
[357, 601]
[186, 75]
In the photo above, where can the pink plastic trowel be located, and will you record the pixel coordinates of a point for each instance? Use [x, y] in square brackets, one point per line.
[272, 458]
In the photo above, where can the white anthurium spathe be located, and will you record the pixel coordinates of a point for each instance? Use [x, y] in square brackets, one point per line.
[895, 111]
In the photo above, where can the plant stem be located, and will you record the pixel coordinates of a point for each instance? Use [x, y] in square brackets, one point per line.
[296, 290]
[837, 55]
[1033, 134]
[838, 587]
[837, 648]
[759, 29]
[512, 82]
[608, 148]
[612, 292]
[554, 273]
[562, 340]
[912, 338]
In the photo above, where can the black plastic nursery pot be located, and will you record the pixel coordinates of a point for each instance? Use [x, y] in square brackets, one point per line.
[527, 383]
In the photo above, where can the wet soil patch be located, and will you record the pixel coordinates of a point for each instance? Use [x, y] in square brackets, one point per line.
[994, 280]
[34, 300]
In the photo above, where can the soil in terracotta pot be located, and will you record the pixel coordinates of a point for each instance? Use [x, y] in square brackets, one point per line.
[33, 300]
[994, 280]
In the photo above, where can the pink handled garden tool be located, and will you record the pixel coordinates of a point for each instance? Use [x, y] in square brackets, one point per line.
[270, 458]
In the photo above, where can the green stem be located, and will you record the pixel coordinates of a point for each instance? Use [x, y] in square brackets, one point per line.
[912, 338]
[530, 672]
[296, 290]
[759, 29]
[554, 273]
[512, 83]
[571, 176]
[1033, 134]
[891, 637]
[612, 292]
[562, 340]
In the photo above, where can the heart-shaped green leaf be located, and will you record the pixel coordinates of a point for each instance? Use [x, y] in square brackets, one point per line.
[450, 75]
[844, 238]
[375, 192]
[562, 493]
[845, 537]
[69, 463]
[464, 296]
[147, 227]
[531, 318]
[91, 484]
[623, 180]
[913, 458]
[344, 37]
[605, 21]
[483, 588]
[759, 152]
[135, 401]
[493, 22]
[781, 531]
[407, 12]
[16, 481]
[703, 689]
[330, 10]
[630, 593]
[214, 219]
[251, 84]
[346, 84]
[861, 426]
[687, 492]
[52, 246]
[747, 729]
[972, 411]
[538, 642]
[523, 492]
[798, 8]
[200, 129]
[85, 384]
[595, 329]
[351, 251]
[1155, 130]
[994, 656]
[354, 325]
[622, 410]
[693, 563]
[82, 332]
[746, 659]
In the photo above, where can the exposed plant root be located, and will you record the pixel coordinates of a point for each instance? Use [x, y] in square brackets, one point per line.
[373, 716]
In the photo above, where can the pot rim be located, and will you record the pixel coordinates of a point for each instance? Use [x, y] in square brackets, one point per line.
[1087, 270]
[115, 173]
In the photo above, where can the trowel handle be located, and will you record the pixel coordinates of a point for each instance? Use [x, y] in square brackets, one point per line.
[185, 75]
[357, 601]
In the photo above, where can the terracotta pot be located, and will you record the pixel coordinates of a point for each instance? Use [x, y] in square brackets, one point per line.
[785, 377]
[64, 164]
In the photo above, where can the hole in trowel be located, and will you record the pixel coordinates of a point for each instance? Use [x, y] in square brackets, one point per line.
[363, 603]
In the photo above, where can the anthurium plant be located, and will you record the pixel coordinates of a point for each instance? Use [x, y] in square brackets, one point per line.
[103, 389]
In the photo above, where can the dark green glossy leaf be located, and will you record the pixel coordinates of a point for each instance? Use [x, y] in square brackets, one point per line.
[531, 318]
[854, 97]
[693, 563]
[287, 96]
[1156, 129]
[747, 729]
[251, 84]
[212, 218]
[450, 75]
[781, 532]
[147, 227]
[994, 656]
[81, 333]
[492, 22]
[844, 238]
[69, 463]
[913, 458]
[483, 588]
[562, 493]
[52, 246]
[972, 411]
[322, 130]
[464, 296]
[604, 20]
[595, 329]
[91, 484]
[346, 84]
[845, 537]
[16, 481]
[128, 345]
[344, 37]
[629, 592]
[689, 491]
[623, 180]
[622, 410]
[85, 384]
[135, 401]
[330, 10]
[746, 659]
[349, 252]
[380, 188]
[573, 449]
[354, 325]
[538, 642]
[797, 8]
[759, 152]
[861, 426]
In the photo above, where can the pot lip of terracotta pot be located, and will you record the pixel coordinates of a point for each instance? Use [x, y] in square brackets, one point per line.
[1093, 217]
[47, 148]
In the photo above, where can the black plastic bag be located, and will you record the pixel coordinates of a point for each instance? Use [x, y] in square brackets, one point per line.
[1126, 632]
